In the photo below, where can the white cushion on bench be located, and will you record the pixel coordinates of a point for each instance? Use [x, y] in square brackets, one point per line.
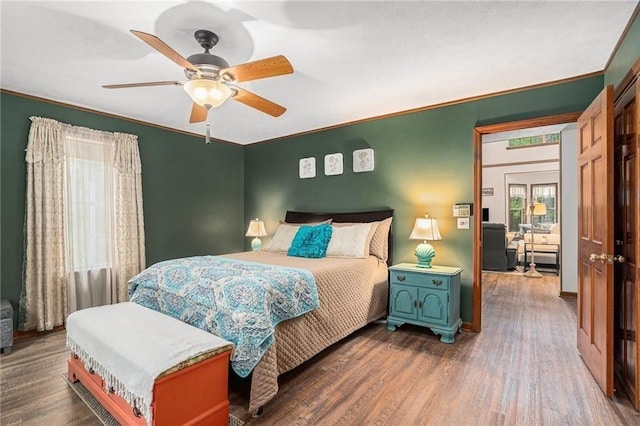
[129, 345]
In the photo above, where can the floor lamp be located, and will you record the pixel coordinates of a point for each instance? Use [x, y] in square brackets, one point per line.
[536, 209]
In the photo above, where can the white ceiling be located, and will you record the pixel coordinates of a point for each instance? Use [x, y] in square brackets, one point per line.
[352, 59]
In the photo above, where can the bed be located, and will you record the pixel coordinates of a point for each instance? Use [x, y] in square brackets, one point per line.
[351, 292]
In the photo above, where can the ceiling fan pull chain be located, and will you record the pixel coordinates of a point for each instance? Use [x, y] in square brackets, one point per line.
[207, 138]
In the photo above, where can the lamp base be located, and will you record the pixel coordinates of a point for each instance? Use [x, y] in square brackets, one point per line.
[256, 244]
[425, 254]
[532, 273]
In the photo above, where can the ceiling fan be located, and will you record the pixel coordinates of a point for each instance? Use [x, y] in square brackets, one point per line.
[211, 80]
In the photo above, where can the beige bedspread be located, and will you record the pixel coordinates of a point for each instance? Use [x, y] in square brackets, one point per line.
[353, 292]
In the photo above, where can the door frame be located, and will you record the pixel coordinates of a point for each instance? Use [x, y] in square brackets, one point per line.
[478, 132]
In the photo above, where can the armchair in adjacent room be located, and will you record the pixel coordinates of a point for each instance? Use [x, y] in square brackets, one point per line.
[497, 253]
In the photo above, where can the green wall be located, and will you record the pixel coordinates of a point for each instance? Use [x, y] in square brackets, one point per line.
[625, 56]
[423, 163]
[192, 192]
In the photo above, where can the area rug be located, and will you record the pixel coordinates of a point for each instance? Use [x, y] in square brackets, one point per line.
[520, 271]
[512, 272]
[104, 416]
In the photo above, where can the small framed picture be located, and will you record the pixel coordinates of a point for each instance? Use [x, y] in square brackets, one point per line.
[307, 167]
[363, 160]
[333, 164]
[487, 191]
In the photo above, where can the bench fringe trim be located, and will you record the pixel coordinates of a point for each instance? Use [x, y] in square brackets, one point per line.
[111, 381]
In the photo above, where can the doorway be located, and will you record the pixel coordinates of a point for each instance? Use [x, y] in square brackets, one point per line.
[521, 168]
[479, 132]
[625, 239]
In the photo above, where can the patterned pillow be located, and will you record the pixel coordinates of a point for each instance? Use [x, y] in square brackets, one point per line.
[352, 240]
[311, 241]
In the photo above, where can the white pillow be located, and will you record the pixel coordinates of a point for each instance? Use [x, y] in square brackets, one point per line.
[283, 237]
[351, 241]
[285, 233]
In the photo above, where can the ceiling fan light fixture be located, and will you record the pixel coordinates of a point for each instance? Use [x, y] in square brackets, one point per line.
[207, 93]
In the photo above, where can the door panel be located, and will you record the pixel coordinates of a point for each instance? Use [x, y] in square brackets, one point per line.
[595, 245]
[599, 336]
[584, 200]
[584, 310]
[403, 302]
[433, 308]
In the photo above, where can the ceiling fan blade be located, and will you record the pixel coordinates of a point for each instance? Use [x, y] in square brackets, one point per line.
[258, 102]
[163, 48]
[198, 113]
[263, 68]
[151, 83]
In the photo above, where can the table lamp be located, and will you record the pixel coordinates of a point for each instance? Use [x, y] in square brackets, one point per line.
[256, 229]
[536, 209]
[425, 229]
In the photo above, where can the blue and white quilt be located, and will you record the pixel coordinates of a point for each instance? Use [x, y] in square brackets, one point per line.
[237, 300]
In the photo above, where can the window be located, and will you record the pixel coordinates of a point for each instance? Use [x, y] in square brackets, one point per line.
[90, 203]
[546, 194]
[84, 230]
[535, 140]
[517, 206]
[90, 217]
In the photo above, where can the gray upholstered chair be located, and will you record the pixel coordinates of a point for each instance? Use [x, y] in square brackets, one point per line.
[497, 255]
[6, 326]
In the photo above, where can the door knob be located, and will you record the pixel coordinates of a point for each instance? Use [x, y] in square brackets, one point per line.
[601, 257]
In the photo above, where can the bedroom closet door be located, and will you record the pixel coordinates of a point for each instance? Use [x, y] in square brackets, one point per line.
[595, 239]
[627, 273]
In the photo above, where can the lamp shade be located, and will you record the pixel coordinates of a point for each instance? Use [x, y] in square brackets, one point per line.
[207, 93]
[538, 209]
[256, 229]
[425, 229]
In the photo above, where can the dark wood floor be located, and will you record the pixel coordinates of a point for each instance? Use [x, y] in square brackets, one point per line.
[522, 369]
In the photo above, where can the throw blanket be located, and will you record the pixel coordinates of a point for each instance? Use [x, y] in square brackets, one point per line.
[129, 346]
[237, 300]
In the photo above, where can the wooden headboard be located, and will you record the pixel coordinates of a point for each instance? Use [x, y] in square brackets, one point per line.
[361, 217]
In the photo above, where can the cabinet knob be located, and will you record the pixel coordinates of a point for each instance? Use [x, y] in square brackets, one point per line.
[437, 282]
[401, 277]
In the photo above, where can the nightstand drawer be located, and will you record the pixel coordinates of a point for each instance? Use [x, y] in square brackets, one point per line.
[422, 280]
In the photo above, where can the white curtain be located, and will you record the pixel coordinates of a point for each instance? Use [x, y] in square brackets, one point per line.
[101, 219]
[129, 221]
[43, 303]
[89, 212]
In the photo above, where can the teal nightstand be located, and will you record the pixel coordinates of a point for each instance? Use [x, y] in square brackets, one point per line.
[429, 297]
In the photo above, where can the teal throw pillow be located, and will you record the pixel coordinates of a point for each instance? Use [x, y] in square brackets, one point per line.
[311, 241]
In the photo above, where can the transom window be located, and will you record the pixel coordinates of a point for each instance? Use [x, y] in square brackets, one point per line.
[535, 140]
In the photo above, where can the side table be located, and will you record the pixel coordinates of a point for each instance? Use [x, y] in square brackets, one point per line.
[429, 297]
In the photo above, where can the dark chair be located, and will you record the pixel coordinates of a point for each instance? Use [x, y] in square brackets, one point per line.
[6, 326]
[496, 254]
